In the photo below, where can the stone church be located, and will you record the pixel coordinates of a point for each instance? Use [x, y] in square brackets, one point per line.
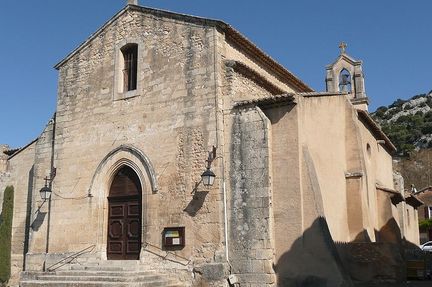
[179, 147]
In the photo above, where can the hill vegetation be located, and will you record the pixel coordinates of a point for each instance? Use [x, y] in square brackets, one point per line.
[408, 123]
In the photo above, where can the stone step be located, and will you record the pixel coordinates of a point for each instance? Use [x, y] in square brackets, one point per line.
[102, 268]
[94, 278]
[104, 273]
[110, 262]
[101, 278]
[41, 283]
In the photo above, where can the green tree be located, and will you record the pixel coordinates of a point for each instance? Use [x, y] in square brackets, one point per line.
[6, 234]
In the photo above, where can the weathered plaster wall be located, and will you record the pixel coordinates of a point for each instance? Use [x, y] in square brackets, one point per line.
[407, 214]
[411, 231]
[302, 239]
[378, 169]
[286, 187]
[356, 192]
[322, 130]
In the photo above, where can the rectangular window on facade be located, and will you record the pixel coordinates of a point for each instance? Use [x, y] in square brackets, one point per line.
[130, 57]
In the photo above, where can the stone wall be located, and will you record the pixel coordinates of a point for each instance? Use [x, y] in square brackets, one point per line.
[3, 158]
[4, 174]
[170, 119]
[232, 51]
[373, 263]
[294, 176]
[4, 179]
[250, 214]
[21, 178]
[39, 213]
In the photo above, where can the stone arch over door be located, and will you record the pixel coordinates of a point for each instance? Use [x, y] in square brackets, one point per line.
[135, 159]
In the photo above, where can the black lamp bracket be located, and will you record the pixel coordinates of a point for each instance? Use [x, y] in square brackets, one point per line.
[50, 178]
[211, 157]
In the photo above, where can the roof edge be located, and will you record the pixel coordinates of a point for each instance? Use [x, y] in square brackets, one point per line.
[19, 150]
[232, 34]
[414, 201]
[285, 99]
[376, 130]
[90, 38]
[347, 57]
[249, 47]
[254, 76]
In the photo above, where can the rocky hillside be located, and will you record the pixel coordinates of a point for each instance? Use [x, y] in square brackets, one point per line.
[408, 123]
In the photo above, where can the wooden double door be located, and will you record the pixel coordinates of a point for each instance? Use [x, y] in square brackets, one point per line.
[124, 216]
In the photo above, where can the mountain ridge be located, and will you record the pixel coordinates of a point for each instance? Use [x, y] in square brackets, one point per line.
[408, 123]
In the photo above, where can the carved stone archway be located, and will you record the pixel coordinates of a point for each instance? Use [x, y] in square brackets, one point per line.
[124, 155]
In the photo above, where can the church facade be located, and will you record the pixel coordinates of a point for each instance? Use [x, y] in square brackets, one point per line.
[153, 99]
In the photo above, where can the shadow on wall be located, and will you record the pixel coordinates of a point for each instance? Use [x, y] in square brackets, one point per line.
[39, 219]
[379, 262]
[312, 261]
[315, 260]
[196, 203]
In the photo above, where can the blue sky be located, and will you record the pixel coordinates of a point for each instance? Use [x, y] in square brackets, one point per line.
[392, 37]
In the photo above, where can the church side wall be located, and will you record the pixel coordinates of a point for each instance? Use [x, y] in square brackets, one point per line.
[39, 212]
[248, 180]
[21, 178]
[251, 232]
[4, 173]
[378, 170]
[4, 179]
[286, 182]
[322, 126]
[356, 178]
[232, 52]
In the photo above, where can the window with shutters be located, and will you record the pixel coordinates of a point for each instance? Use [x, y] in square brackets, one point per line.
[130, 65]
[127, 69]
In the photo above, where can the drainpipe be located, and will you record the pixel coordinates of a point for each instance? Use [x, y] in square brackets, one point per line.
[219, 129]
[51, 176]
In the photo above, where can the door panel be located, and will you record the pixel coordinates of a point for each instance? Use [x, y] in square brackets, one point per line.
[124, 217]
[116, 229]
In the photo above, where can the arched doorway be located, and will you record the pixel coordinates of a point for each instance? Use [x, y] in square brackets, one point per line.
[124, 216]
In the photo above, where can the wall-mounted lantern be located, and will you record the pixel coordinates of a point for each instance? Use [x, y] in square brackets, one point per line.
[208, 175]
[45, 192]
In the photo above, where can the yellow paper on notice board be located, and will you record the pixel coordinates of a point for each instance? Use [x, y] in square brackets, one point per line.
[172, 233]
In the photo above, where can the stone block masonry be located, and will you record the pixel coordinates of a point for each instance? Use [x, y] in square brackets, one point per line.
[251, 232]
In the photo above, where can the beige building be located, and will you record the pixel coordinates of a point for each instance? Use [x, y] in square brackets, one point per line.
[304, 190]
[425, 212]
